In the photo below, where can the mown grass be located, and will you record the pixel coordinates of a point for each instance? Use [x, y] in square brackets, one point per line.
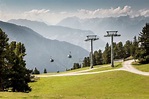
[75, 70]
[111, 85]
[97, 68]
[142, 67]
[69, 71]
[107, 67]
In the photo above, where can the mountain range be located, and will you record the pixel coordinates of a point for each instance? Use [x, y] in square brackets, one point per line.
[127, 26]
[61, 33]
[40, 49]
[74, 30]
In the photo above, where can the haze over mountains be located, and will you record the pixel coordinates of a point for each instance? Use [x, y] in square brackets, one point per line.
[61, 33]
[39, 49]
[74, 30]
[125, 25]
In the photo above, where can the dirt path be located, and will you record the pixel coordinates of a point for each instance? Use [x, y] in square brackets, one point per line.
[74, 74]
[126, 67]
[82, 72]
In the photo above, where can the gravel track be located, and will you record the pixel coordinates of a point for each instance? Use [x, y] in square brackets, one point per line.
[126, 67]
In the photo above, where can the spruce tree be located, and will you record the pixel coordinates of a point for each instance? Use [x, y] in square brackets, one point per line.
[36, 71]
[134, 47]
[19, 75]
[13, 73]
[107, 54]
[76, 66]
[127, 48]
[3, 44]
[45, 71]
[98, 57]
[120, 51]
[143, 50]
[86, 62]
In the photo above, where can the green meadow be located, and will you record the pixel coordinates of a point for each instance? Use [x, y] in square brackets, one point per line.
[109, 85]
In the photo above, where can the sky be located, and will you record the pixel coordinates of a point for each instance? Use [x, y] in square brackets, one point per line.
[53, 11]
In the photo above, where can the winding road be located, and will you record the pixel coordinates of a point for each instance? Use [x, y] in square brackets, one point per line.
[126, 67]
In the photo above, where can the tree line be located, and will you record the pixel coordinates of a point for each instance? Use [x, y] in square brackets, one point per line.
[138, 48]
[121, 51]
[13, 72]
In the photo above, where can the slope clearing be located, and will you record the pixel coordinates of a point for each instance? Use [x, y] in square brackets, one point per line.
[108, 85]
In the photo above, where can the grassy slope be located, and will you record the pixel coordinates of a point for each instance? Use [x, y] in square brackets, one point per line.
[142, 67]
[96, 68]
[111, 85]
[106, 67]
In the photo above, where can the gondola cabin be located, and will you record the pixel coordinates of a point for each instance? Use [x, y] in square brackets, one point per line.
[51, 60]
[69, 56]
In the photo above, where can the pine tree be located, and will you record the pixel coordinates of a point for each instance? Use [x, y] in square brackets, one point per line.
[143, 50]
[100, 62]
[86, 62]
[76, 66]
[3, 44]
[134, 48]
[127, 48]
[94, 59]
[116, 55]
[19, 75]
[13, 73]
[45, 71]
[98, 57]
[107, 54]
[120, 51]
[36, 71]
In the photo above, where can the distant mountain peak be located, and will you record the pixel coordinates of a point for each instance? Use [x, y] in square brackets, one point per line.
[25, 21]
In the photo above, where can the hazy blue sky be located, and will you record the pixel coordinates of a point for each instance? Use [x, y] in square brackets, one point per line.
[71, 5]
[53, 11]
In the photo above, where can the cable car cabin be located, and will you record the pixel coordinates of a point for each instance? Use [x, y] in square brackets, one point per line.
[51, 60]
[69, 56]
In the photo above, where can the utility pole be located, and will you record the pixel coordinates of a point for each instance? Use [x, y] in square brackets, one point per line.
[91, 38]
[112, 34]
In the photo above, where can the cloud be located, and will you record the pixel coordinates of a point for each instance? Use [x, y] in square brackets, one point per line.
[36, 12]
[144, 12]
[112, 12]
[47, 16]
